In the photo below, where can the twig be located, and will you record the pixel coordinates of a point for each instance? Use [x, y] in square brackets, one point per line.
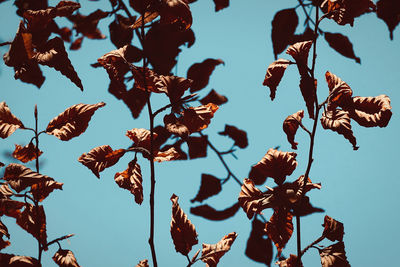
[182, 100]
[5, 43]
[59, 239]
[319, 239]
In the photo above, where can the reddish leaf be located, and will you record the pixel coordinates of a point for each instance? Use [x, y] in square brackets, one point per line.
[167, 155]
[200, 73]
[181, 155]
[29, 72]
[10, 207]
[131, 179]
[33, 220]
[280, 228]
[141, 137]
[149, 16]
[197, 146]
[65, 34]
[290, 126]
[175, 126]
[341, 44]
[239, 136]
[214, 97]
[43, 189]
[147, 80]
[220, 4]
[5, 192]
[259, 246]
[175, 88]
[308, 88]
[334, 256]
[299, 52]
[284, 26]
[183, 232]
[210, 186]
[87, 25]
[10, 260]
[8, 122]
[100, 158]
[162, 136]
[135, 99]
[73, 121]
[339, 92]
[333, 230]
[65, 258]
[120, 32]
[198, 118]
[142, 263]
[176, 12]
[77, 44]
[389, 12]
[292, 261]
[345, 11]
[4, 232]
[274, 75]
[305, 208]
[21, 49]
[24, 5]
[291, 193]
[26, 153]
[371, 111]
[339, 121]
[212, 253]
[210, 213]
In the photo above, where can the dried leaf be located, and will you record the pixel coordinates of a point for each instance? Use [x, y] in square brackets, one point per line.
[131, 179]
[259, 246]
[167, 155]
[212, 253]
[197, 146]
[10, 207]
[26, 153]
[371, 111]
[5, 191]
[200, 73]
[21, 49]
[73, 121]
[292, 261]
[214, 97]
[115, 63]
[100, 158]
[33, 220]
[339, 92]
[181, 155]
[299, 52]
[345, 11]
[212, 214]
[183, 232]
[29, 72]
[43, 189]
[198, 118]
[280, 228]
[305, 208]
[175, 126]
[24, 5]
[147, 80]
[220, 4]
[339, 121]
[334, 256]
[4, 232]
[210, 186]
[87, 25]
[175, 88]
[284, 26]
[308, 88]
[149, 16]
[239, 136]
[142, 263]
[1, 164]
[8, 122]
[274, 75]
[389, 12]
[291, 193]
[176, 12]
[65, 258]
[10, 260]
[141, 137]
[135, 99]
[290, 126]
[333, 230]
[121, 33]
[341, 44]
[77, 44]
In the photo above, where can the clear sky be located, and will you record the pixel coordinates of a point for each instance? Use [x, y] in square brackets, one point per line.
[359, 188]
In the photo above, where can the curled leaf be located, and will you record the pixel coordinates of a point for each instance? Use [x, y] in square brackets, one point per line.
[26, 153]
[299, 51]
[239, 136]
[389, 12]
[176, 12]
[259, 246]
[183, 232]
[333, 230]
[214, 97]
[284, 26]
[290, 126]
[280, 228]
[212, 214]
[212, 253]
[339, 92]
[141, 137]
[43, 189]
[274, 75]
[10, 260]
[131, 179]
[198, 118]
[210, 186]
[33, 220]
[334, 255]
[4, 232]
[197, 146]
[87, 25]
[5, 192]
[175, 126]
[175, 88]
[65, 258]
[341, 44]
[8, 122]
[345, 11]
[143, 263]
[292, 261]
[200, 73]
[371, 111]
[167, 155]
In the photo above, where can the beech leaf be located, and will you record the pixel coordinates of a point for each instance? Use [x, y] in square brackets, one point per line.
[284, 26]
[239, 136]
[389, 12]
[214, 97]
[141, 137]
[176, 12]
[10, 260]
[341, 44]
[135, 99]
[334, 256]
[333, 230]
[212, 253]
[33, 220]
[197, 146]
[65, 258]
[274, 75]
[220, 4]
[4, 232]
[143, 263]
[212, 214]
[43, 189]
[26, 153]
[10, 207]
[339, 92]
[308, 87]
[167, 155]
[5, 191]
[87, 25]
[175, 126]
[290, 126]
[371, 111]
[259, 246]
[120, 31]
[8, 122]
[198, 118]
[131, 179]
[345, 11]
[280, 228]
[200, 73]
[210, 186]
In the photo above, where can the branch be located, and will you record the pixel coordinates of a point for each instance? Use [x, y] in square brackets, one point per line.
[182, 100]
[319, 239]
[59, 239]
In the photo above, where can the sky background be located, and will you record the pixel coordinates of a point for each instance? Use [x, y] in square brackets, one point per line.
[359, 188]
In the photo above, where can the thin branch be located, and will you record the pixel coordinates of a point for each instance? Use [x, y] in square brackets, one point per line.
[319, 239]
[5, 43]
[182, 100]
[59, 239]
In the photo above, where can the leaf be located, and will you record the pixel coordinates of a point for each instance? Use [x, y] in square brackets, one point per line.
[24, 5]
[308, 89]
[274, 75]
[20, 177]
[5, 191]
[131, 179]
[10, 260]
[87, 25]
[339, 92]
[8, 122]
[239, 136]
[259, 246]
[180, 154]
[339, 121]
[334, 256]
[371, 111]
[200, 73]
[147, 80]
[162, 136]
[345, 11]
[210, 186]
[299, 52]
[149, 16]
[141, 137]
[1, 164]
[21, 49]
[305, 208]
[121, 33]
[4, 232]
[29, 72]
[65, 258]
[214, 97]
[290, 126]
[142, 263]
[77, 44]
[176, 12]
[280, 228]
[135, 99]
[275, 164]
[292, 261]
[333, 230]
[198, 118]
[100, 158]
[212, 214]
[182, 230]
[115, 63]
[341, 44]
[10, 207]
[175, 126]
[175, 88]
[26, 153]
[212, 253]
[389, 12]
[33, 220]
[197, 146]
[284, 26]
[73, 121]
[43, 189]
[167, 155]
[220, 4]
[292, 193]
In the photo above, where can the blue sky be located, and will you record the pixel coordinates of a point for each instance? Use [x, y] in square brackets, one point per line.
[359, 188]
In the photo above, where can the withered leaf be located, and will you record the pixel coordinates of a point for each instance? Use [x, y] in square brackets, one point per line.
[175, 88]
[73, 121]
[212, 214]
[292, 261]
[24, 5]
[4, 232]
[371, 111]
[65, 258]
[140, 6]
[10, 260]
[5, 191]
[239, 136]
[339, 92]
[341, 44]
[147, 80]
[33, 220]
[333, 230]
[1, 164]
[274, 75]
[339, 121]
[77, 44]
[135, 99]
[210, 186]
[120, 32]
[259, 246]
[29, 72]
[212, 253]
[8, 122]
[183, 232]
[21, 49]
[345, 11]
[141, 137]
[176, 12]
[148, 16]
[214, 97]
[290, 126]
[10, 207]
[304, 208]
[198, 118]
[162, 136]
[197, 146]
[180, 154]
[280, 228]
[115, 63]
[87, 25]
[167, 155]
[175, 126]
[334, 256]
[26, 153]
[299, 52]
[143, 263]
[200, 73]
[131, 179]
[220, 4]
[100, 158]
[284, 26]
[389, 12]
[293, 192]
[42, 190]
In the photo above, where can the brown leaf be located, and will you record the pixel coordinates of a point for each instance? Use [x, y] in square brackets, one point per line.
[135, 99]
[176, 12]
[292, 261]
[389, 12]
[175, 126]
[339, 121]
[65, 258]
[275, 164]
[29, 72]
[43, 189]
[290, 126]
[239, 136]
[20, 177]
[149, 16]
[142, 263]
[54, 56]
[1, 164]
[77, 44]
[120, 32]
[214, 97]
[21, 49]
[181, 155]
[167, 155]
[100, 158]
[73, 121]
[220, 4]
[259, 246]
[200, 73]
[210, 186]
[10, 260]
[212, 253]
[339, 92]
[162, 136]
[147, 80]
[26, 153]
[10, 207]
[131, 179]
[65, 34]
[345, 11]
[87, 25]
[198, 118]
[308, 89]
[305, 208]
[284, 26]
[334, 256]
[175, 88]
[197, 146]
[183, 232]
[212, 214]
[341, 44]
[280, 228]
[4, 232]
[24, 5]
[371, 111]
[299, 52]
[5, 191]
[115, 63]
[333, 230]
[141, 137]
[33, 220]
[274, 75]
[8, 122]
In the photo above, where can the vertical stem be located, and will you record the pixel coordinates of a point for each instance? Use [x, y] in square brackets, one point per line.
[40, 248]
